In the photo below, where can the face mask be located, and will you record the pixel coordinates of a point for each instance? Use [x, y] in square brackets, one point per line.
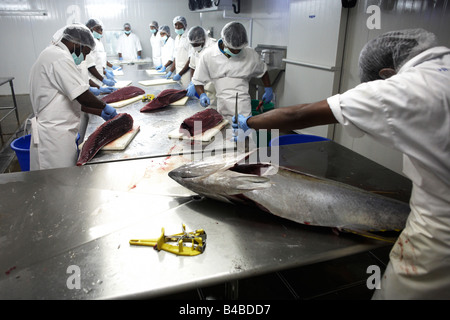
[231, 54]
[78, 59]
[97, 35]
[179, 31]
[198, 49]
[127, 32]
[163, 39]
[153, 31]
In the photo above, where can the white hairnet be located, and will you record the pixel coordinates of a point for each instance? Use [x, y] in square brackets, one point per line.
[392, 50]
[127, 25]
[197, 35]
[234, 35]
[165, 29]
[180, 19]
[92, 23]
[154, 24]
[79, 34]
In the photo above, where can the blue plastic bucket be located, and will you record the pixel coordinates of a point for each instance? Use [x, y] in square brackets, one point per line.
[22, 148]
[295, 138]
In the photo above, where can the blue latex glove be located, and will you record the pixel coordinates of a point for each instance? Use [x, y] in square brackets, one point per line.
[163, 69]
[159, 67]
[241, 124]
[108, 113]
[268, 95]
[94, 90]
[107, 89]
[109, 82]
[204, 100]
[177, 77]
[139, 57]
[116, 67]
[109, 74]
[169, 74]
[190, 90]
[121, 58]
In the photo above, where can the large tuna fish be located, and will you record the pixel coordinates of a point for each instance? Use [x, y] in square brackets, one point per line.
[294, 195]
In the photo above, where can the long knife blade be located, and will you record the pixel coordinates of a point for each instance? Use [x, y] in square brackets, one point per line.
[236, 108]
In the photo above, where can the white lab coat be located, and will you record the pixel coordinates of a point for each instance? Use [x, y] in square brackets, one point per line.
[129, 46]
[194, 59]
[55, 82]
[155, 42]
[181, 55]
[167, 50]
[94, 59]
[230, 76]
[411, 113]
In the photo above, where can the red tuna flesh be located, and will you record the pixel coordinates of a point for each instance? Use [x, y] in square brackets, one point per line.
[107, 132]
[123, 94]
[209, 118]
[165, 98]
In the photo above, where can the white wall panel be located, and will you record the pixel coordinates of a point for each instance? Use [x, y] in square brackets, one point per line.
[27, 36]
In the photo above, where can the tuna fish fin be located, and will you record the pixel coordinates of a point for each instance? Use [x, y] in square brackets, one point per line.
[251, 182]
[370, 235]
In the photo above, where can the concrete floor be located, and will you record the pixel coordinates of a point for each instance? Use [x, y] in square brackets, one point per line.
[338, 279]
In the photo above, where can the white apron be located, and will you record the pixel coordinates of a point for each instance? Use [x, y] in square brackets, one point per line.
[182, 48]
[155, 42]
[419, 266]
[167, 51]
[209, 88]
[229, 76]
[129, 46]
[55, 83]
[226, 89]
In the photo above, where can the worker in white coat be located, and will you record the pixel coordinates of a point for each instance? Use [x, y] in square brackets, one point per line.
[230, 65]
[129, 46]
[404, 103]
[155, 43]
[180, 66]
[199, 40]
[167, 49]
[57, 89]
[97, 60]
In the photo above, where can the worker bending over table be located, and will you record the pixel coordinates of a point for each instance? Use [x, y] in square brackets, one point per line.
[58, 93]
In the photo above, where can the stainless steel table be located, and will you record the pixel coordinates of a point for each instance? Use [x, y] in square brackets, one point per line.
[55, 223]
[155, 126]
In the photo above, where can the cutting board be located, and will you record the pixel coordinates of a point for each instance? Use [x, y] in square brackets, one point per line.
[118, 72]
[180, 102]
[205, 136]
[122, 84]
[156, 82]
[123, 103]
[153, 72]
[120, 143]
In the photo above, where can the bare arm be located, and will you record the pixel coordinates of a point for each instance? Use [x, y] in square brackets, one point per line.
[95, 73]
[90, 103]
[295, 117]
[266, 79]
[185, 68]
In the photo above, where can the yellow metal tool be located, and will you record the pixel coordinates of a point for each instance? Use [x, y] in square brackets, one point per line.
[148, 97]
[196, 241]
